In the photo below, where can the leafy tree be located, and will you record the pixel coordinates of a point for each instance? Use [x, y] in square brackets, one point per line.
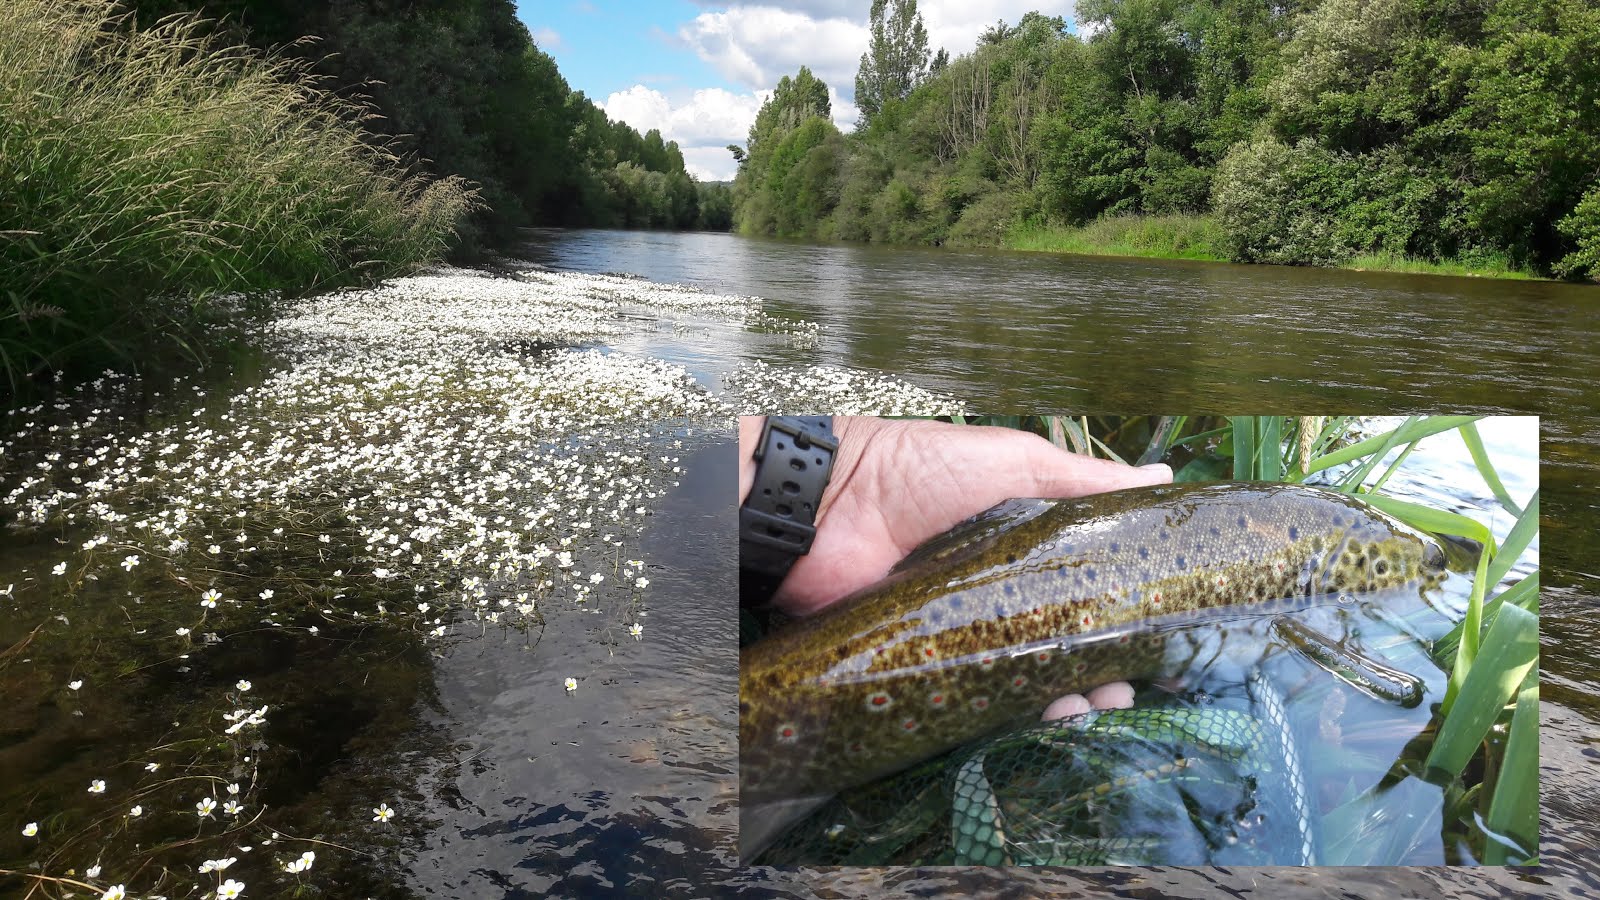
[896, 59]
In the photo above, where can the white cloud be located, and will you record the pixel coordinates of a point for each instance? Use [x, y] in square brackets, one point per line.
[703, 125]
[755, 43]
[546, 38]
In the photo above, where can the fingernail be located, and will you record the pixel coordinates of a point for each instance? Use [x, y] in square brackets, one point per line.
[1162, 470]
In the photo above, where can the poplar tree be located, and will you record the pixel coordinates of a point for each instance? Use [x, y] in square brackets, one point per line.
[896, 60]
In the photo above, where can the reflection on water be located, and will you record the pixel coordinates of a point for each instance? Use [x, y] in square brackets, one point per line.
[627, 785]
[1011, 332]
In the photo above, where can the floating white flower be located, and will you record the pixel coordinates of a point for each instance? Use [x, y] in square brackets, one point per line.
[571, 684]
[97, 786]
[217, 865]
[75, 684]
[243, 685]
[115, 892]
[30, 829]
[230, 889]
[151, 767]
[182, 631]
[129, 561]
[93, 871]
[204, 807]
[266, 594]
[641, 583]
[209, 598]
[382, 812]
[301, 864]
[232, 808]
[136, 811]
[636, 629]
[60, 569]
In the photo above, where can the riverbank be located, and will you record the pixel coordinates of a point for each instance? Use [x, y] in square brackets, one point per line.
[1199, 237]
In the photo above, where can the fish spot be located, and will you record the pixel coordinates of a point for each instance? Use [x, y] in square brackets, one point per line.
[1116, 547]
[1221, 581]
[1244, 522]
[980, 702]
[929, 652]
[1043, 656]
[1144, 552]
[1089, 573]
[1080, 668]
[1011, 558]
[1010, 589]
[1294, 533]
[1063, 572]
[1123, 639]
[1181, 561]
[878, 701]
[788, 734]
[1381, 567]
[1087, 620]
[936, 700]
[1019, 681]
[1155, 598]
[909, 724]
[986, 662]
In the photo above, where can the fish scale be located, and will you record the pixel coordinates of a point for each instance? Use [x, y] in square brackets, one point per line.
[989, 622]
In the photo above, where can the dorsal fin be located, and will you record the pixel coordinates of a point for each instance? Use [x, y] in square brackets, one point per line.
[974, 534]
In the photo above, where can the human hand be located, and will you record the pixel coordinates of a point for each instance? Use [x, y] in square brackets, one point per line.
[897, 483]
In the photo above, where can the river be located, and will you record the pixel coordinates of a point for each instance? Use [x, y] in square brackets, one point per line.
[408, 517]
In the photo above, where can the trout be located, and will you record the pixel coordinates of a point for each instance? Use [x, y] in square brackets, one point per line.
[987, 623]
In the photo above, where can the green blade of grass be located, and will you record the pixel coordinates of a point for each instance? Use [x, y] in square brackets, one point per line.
[1270, 449]
[1509, 652]
[1358, 476]
[1514, 810]
[1471, 634]
[1480, 457]
[1411, 431]
[1427, 518]
[1520, 536]
[1244, 447]
[1524, 594]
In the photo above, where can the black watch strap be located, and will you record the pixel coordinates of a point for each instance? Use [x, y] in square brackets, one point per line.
[794, 460]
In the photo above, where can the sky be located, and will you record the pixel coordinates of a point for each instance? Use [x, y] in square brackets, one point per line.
[699, 70]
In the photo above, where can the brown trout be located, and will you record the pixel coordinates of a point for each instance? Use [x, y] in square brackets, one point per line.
[987, 623]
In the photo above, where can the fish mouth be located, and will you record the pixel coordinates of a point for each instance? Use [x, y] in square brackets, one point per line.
[1453, 553]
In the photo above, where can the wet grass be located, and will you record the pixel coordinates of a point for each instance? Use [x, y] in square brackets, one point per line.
[151, 174]
[1156, 237]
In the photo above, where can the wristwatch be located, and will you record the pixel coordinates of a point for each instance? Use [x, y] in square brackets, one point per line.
[794, 459]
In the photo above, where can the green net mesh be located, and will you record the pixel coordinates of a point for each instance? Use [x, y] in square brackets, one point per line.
[1179, 783]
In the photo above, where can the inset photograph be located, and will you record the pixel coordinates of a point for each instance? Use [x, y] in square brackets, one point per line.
[1139, 640]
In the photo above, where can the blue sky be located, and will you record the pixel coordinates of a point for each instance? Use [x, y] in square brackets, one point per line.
[700, 69]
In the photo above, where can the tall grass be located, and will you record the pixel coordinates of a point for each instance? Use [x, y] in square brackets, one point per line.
[143, 171]
[1174, 236]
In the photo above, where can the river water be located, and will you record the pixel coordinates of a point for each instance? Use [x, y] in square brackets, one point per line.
[1015, 332]
[358, 500]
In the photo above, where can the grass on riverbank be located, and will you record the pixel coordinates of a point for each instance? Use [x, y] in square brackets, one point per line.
[145, 171]
[1200, 237]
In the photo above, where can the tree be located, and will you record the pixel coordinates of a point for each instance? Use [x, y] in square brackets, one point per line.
[896, 60]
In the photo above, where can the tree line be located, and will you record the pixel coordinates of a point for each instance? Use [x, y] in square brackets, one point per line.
[1305, 131]
[461, 85]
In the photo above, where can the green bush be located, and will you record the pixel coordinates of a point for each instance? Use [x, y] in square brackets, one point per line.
[1583, 228]
[144, 171]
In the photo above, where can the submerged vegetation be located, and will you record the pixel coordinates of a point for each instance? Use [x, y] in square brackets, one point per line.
[1320, 132]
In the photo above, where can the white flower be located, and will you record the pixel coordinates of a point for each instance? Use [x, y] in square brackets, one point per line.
[266, 594]
[301, 864]
[93, 871]
[636, 629]
[30, 829]
[151, 767]
[596, 578]
[217, 865]
[129, 561]
[242, 686]
[98, 786]
[60, 569]
[204, 807]
[7, 591]
[136, 811]
[230, 889]
[382, 813]
[232, 808]
[233, 790]
[214, 549]
[115, 892]
[641, 583]
[182, 632]
[571, 684]
[75, 684]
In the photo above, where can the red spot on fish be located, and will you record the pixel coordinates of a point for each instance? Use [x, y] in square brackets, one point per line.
[986, 661]
[1123, 639]
[787, 734]
[879, 701]
[1043, 656]
[1019, 681]
[980, 702]
[1080, 668]
[1222, 582]
[936, 700]
[928, 651]
[1155, 599]
[909, 724]
[1087, 619]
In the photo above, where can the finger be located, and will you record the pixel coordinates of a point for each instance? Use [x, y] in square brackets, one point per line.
[1058, 473]
[1116, 695]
